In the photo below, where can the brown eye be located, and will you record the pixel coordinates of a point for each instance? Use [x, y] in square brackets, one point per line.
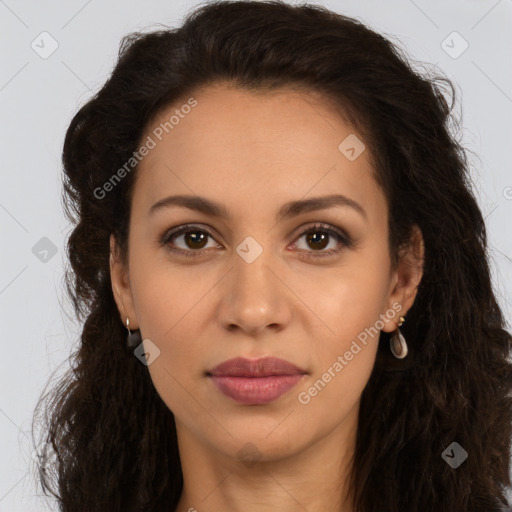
[194, 239]
[317, 240]
[319, 237]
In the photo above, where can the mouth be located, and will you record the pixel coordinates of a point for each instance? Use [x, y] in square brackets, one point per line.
[255, 382]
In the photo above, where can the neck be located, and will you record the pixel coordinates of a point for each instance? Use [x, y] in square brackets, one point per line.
[313, 479]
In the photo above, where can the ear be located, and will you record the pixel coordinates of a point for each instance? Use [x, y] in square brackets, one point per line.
[121, 288]
[406, 278]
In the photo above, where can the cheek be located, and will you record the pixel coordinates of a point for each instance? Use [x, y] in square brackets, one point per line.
[165, 296]
[351, 298]
[344, 350]
[343, 355]
[168, 318]
[169, 305]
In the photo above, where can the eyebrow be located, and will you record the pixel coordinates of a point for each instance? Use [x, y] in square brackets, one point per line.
[288, 210]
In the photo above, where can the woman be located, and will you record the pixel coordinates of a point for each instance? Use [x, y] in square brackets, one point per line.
[283, 275]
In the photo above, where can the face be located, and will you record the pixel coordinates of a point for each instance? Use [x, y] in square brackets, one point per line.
[258, 278]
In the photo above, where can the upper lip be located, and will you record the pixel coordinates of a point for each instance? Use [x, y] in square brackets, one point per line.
[263, 367]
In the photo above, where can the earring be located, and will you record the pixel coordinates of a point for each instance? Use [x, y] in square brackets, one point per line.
[133, 338]
[397, 342]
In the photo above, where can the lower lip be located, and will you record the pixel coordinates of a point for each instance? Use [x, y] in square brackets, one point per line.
[256, 390]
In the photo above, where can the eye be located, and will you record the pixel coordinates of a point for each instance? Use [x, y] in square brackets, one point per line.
[194, 238]
[318, 236]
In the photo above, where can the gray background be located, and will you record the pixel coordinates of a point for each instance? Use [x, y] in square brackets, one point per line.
[38, 97]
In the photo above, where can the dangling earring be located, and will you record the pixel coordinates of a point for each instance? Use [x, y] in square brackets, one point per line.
[397, 342]
[134, 338]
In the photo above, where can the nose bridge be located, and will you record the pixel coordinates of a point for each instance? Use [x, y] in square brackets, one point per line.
[251, 273]
[255, 298]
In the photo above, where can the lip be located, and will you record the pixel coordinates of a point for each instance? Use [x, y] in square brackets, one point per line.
[256, 381]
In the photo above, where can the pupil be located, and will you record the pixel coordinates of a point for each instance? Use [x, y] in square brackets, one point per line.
[322, 237]
[195, 238]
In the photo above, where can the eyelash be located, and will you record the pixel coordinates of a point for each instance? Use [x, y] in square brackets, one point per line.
[342, 238]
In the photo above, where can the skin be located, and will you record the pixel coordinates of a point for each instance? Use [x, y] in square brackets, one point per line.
[253, 152]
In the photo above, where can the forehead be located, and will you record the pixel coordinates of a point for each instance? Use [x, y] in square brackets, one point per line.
[236, 145]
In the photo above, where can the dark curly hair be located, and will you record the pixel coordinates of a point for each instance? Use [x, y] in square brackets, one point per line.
[109, 441]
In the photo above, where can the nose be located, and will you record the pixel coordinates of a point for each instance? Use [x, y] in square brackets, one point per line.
[255, 297]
